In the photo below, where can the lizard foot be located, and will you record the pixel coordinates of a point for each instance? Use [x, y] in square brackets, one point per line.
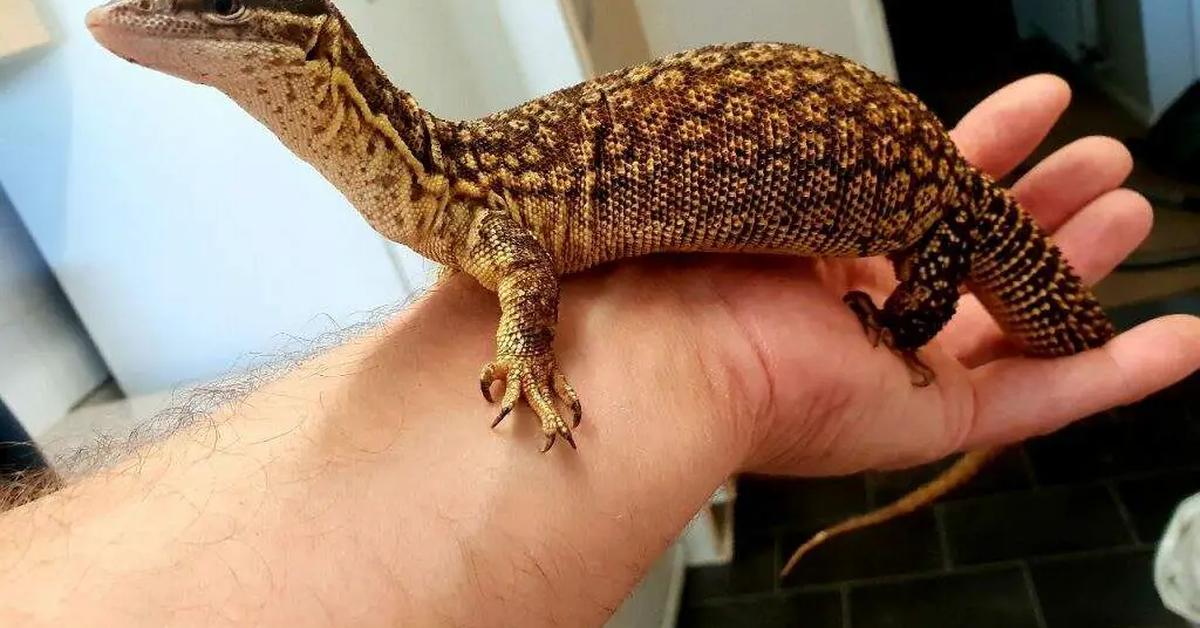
[872, 319]
[539, 380]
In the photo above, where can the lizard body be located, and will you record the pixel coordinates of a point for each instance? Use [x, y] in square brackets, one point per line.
[753, 147]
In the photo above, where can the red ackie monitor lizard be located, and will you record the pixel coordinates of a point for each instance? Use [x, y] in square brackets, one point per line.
[751, 147]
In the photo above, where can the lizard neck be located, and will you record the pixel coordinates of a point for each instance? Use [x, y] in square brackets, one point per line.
[335, 109]
[340, 47]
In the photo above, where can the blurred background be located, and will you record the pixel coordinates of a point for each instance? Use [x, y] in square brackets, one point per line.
[153, 237]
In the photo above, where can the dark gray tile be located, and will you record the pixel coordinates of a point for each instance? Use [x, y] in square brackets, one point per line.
[908, 544]
[765, 503]
[752, 570]
[1151, 500]
[994, 598]
[1008, 472]
[1157, 433]
[811, 610]
[1108, 591]
[1017, 525]
[1128, 316]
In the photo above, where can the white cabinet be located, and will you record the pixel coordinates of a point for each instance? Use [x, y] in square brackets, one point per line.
[47, 362]
[21, 29]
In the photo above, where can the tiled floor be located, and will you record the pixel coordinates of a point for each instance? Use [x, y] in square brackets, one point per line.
[1058, 533]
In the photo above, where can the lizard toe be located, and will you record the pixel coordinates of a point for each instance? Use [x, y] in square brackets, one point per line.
[868, 314]
[538, 380]
[875, 325]
[491, 372]
[921, 373]
[566, 392]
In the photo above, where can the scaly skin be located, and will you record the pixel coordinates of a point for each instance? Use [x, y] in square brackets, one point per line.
[749, 147]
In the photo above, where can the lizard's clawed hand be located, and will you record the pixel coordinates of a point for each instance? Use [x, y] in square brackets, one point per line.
[538, 379]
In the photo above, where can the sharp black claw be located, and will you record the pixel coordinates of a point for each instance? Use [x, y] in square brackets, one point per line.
[549, 443]
[577, 411]
[486, 389]
[503, 413]
[570, 439]
[923, 375]
[864, 308]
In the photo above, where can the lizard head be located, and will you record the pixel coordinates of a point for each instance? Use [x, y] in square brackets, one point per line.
[212, 42]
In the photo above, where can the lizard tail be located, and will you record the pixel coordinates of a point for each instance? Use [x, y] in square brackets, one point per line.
[1037, 299]
[957, 475]
[1025, 283]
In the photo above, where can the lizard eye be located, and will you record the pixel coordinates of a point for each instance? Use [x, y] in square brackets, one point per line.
[228, 9]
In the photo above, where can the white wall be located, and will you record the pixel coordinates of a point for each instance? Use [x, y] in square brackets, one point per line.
[1195, 7]
[1123, 74]
[1151, 47]
[467, 58]
[47, 362]
[853, 28]
[548, 61]
[1062, 22]
[1169, 33]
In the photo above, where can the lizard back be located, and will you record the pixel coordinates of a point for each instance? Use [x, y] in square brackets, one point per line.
[752, 146]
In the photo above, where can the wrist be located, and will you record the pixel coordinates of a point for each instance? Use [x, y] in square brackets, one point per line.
[660, 433]
[635, 333]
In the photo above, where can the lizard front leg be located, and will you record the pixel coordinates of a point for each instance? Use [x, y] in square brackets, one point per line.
[506, 258]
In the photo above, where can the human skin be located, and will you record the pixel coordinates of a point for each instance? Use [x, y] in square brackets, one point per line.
[364, 488]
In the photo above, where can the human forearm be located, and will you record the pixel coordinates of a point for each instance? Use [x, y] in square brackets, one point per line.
[364, 487]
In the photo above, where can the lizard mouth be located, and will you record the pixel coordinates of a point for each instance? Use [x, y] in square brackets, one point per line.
[122, 25]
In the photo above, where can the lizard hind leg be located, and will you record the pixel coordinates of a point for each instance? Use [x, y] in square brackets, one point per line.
[930, 273]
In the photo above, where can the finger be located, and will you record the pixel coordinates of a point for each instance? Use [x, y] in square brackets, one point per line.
[1018, 398]
[1072, 177]
[1105, 232]
[1002, 130]
[1093, 241]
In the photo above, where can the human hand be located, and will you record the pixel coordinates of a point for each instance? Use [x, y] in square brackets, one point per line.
[791, 365]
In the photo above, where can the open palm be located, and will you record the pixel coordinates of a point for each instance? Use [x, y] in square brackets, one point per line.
[784, 353]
